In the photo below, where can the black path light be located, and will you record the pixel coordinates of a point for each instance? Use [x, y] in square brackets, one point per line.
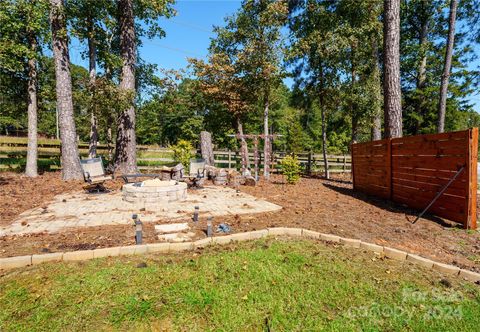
[195, 214]
[209, 227]
[138, 229]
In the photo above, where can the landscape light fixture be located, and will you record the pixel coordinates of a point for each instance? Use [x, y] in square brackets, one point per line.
[195, 214]
[138, 229]
[209, 227]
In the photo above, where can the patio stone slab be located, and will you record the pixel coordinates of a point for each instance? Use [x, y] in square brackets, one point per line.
[78, 210]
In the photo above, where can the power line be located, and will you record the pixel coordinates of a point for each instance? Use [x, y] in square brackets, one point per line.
[175, 49]
[191, 26]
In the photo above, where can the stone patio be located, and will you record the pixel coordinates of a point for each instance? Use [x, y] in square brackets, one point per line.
[87, 210]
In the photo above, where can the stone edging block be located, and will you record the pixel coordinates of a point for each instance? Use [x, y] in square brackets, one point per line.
[52, 257]
[329, 237]
[14, 262]
[80, 255]
[371, 247]
[202, 243]
[162, 247]
[285, 231]
[420, 261]
[469, 275]
[446, 268]
[310, 234]
[395, 253]
[253, 235]
[294, 231]
[106, 252]
[354, 243]
[22, 261]
[224, 239]
[240, 236]
[180, 246]
[277, 231]
[133, 250]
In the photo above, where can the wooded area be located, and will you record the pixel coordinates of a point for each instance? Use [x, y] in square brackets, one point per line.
[340, 56]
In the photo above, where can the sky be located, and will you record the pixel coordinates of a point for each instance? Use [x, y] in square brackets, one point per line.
[188, 35]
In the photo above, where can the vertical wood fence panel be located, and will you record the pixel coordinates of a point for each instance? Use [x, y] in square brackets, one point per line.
[418, 167]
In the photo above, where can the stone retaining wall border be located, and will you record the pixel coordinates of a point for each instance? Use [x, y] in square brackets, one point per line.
[80, 255]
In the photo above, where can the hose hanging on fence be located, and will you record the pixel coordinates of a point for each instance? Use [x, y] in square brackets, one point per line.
[439, 194]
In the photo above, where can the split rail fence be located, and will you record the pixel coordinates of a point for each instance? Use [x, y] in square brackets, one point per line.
[413, 170]
[13, 151]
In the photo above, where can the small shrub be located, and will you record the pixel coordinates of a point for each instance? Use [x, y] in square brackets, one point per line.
[182, 153]
[291, 169]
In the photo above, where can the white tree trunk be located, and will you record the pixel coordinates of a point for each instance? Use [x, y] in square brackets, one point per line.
[32, 149]
[243, 147]
[266, 141]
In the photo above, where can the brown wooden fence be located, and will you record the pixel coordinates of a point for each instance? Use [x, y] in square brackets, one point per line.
[413, 170]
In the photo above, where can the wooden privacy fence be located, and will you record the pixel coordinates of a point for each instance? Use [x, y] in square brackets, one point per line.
[413, 170]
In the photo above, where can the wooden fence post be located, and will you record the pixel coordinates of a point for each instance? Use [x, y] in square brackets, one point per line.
[352, 166]
[309, 164]
[472, 160]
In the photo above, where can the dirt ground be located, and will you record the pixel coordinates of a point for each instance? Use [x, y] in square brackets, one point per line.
[329, 206]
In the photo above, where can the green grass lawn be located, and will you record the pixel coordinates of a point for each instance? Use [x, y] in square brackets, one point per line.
[267, 285]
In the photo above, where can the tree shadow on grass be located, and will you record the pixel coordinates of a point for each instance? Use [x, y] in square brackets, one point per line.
[410, 214]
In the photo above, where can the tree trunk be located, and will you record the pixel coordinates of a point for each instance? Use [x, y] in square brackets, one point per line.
[353, 110]
[422, 72]
[110, 144]
[32, 149]
[377, 94]
[126, 147]
[243, 147]
[377, 128]
[391, 82]
[324, 143]
[71, 169]
[354, 130]
[92, 59]
[206, 148]
[324, 125]
[266, 141]
[447, 67]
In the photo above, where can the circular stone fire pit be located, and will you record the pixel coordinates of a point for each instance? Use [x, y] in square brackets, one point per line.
[154, 191]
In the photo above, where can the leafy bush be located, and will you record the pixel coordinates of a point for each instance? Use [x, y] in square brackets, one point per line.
[291, 168]
[182, 153]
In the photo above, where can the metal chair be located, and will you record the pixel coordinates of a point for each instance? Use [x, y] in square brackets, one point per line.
[196, 173]
[94, 174]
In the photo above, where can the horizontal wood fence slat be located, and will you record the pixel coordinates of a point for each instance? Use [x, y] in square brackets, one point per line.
[413, 170]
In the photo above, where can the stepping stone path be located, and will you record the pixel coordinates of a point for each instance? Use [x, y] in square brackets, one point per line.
[174, 232]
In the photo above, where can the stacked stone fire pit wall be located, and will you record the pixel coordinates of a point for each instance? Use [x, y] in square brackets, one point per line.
[134, 193]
